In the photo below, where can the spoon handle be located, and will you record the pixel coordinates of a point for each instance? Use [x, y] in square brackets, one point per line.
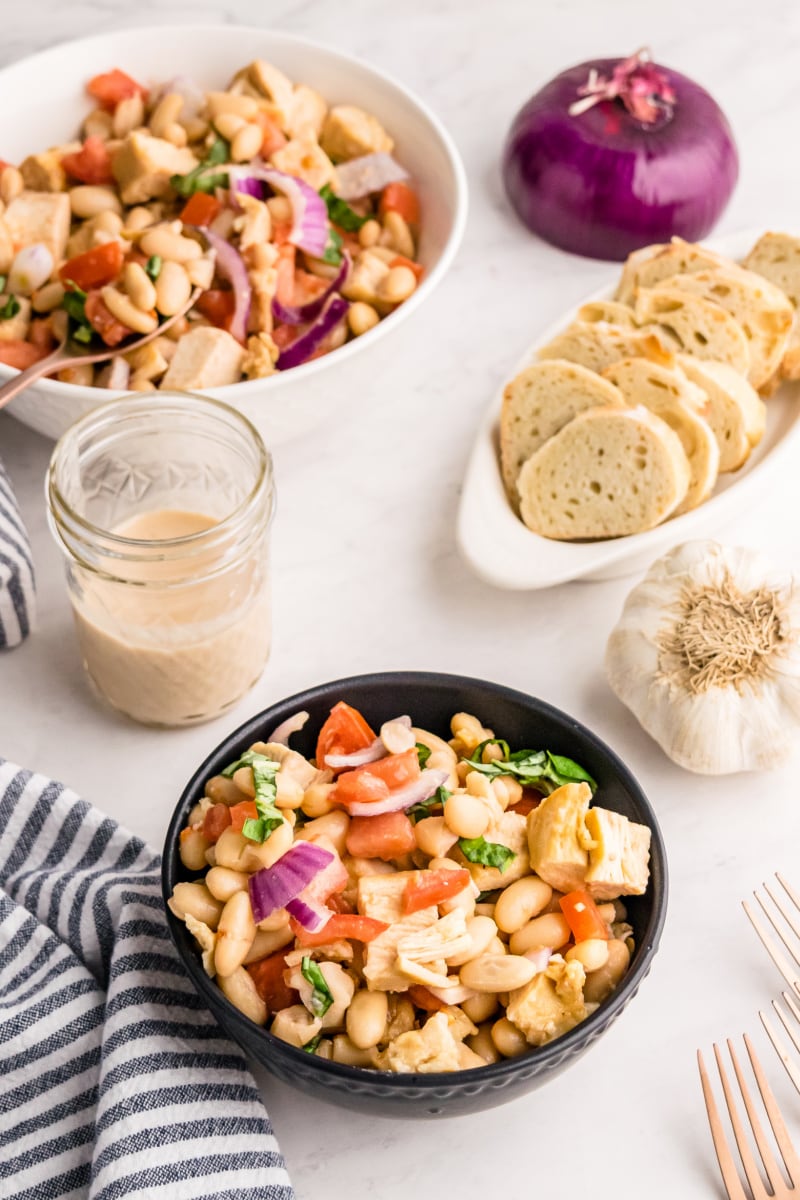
[44, 366]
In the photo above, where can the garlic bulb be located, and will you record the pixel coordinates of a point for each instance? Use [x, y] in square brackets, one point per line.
[706, 655]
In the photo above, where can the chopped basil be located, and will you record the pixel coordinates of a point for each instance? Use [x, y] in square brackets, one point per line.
[424, 808]
[264, 772]
[3, 282]
[200, 180]
[74, 304]
[485, 898]
[310, 1047]
[333, 250]
[423, 754]
[477, 754]
[488, 854]
[321, 995]
[153, 266]
[340, 212]
[9, 309]
[535, 768]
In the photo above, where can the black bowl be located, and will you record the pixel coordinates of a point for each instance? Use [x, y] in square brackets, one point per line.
[431, 700]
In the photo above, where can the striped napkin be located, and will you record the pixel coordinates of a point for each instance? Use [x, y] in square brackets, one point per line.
[17, 594]
[115, 1081]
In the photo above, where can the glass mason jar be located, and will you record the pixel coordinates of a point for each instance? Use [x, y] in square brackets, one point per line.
[162, 504]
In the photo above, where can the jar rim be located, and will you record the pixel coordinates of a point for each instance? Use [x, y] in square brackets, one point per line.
[115, 544]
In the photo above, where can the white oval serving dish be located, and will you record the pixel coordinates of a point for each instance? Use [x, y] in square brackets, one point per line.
[504, 552]
[296, 401]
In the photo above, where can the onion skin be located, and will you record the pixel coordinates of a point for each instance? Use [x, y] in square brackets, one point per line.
[602, 184]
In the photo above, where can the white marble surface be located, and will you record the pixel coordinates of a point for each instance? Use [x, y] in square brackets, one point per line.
[366, 576]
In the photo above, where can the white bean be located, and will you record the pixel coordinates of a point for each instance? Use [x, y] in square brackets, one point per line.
[482, 932]
[195, 900]
[139, 286]
[167, 244]
[497, 973]
[192, 850]
[366, 1018]
[592, 954]
[123, 308]
[222, 882]
[520, 902]
[235, 934]
[549, 930]
[466, 815]
[88, 200]
[172, 289]
[241, 991]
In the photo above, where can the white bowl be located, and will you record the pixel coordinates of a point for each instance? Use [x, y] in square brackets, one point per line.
[504, 552]
[45, 102]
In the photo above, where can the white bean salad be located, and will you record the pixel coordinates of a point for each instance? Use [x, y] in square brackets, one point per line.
[405, 903]
[289, 217]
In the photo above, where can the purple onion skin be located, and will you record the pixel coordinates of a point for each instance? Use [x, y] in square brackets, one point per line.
[602, 184]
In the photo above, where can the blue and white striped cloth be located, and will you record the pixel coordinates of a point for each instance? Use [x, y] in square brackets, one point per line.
[17, 587]
[115, 1081]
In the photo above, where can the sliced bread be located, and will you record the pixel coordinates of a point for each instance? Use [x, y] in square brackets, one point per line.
[763, 311]
[609, 473]
[540, 401]
[597, 344]
[670, 395]
[651, 265]
[695, 326]
[776, 256]
[736, 413]
[610, 311]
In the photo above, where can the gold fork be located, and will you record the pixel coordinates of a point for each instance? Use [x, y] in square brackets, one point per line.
[779, 1189]
[791, 919]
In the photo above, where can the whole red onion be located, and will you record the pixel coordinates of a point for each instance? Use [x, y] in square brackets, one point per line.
[617, 154]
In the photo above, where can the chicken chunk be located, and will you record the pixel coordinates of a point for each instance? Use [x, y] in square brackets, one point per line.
[558, 839]
[205, 358]
[304, 157]
[44, 172]
[206, 939]
[273, 84]
[261, 356]
[551, 1004]
[349, 132]
[620, 857]
[296, 1025]
[143, 166]
[307, 111]
[381, 897]
[432, 1048]
[511, 831]
[13, 329]
[39, 217]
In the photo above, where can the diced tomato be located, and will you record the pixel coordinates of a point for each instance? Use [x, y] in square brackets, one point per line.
[401, 261]
[284, 281]
[307, 287]
[94, 268]
[41, 334]
[217, 306]
[103, 320]
[280, 234]
[269, 976]
[387, 836]
[420, 996]
[345, 731]
[432, 887]
[341, 925]
[216, 821]
[200, 209]
[112, 86]
[244, 811]
[402, 199]
[329, 881]
[90, 164]
[284, 335]
[20, 354]
[582, 916]
[274, 138]
[524, 806]
[338, 904]
[376, 781]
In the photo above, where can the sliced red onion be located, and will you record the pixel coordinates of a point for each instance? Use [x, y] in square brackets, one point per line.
[303, 347]
[359, 758]
[32, 267]
[310, 226]
[273, 887]
[311, 916]
[366, 175]
[299, 314]
[230, 264]
[281, 733]
[539, 958]
[403, 798]
[250, 187]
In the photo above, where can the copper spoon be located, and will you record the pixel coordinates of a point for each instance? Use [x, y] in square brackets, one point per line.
[69, 353]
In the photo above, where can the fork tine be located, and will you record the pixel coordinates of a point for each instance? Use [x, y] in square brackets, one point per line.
[793, 1033]
[790, 920]
[790, 891]
[781, 962]
[727, 1166]
[745, 1153]
[778, 1046]
[775, 1119]
[767, 1157]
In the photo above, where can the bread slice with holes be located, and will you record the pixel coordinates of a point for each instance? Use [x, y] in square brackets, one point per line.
[763, 311]
[540, 401]
[671, 396]
[695, 326]
[651, 265]
[776, 256]
[736, 413]
[610, 472]
[597, 344]
[610, 311]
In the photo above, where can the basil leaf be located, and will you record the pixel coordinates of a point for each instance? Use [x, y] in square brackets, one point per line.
[321, 995]
[567, 771]
[333, 250]
[537, 768]
[83, 333]
[10, 308]
[245, 761]
[488, 854]
[423, 754]
[199, 180]
[425, 807]
[340, 212]
[3, 282]
[485, 897]
[74, 304]
[310, 1047]
[153, 266]
[264, 771]
[478, 751]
